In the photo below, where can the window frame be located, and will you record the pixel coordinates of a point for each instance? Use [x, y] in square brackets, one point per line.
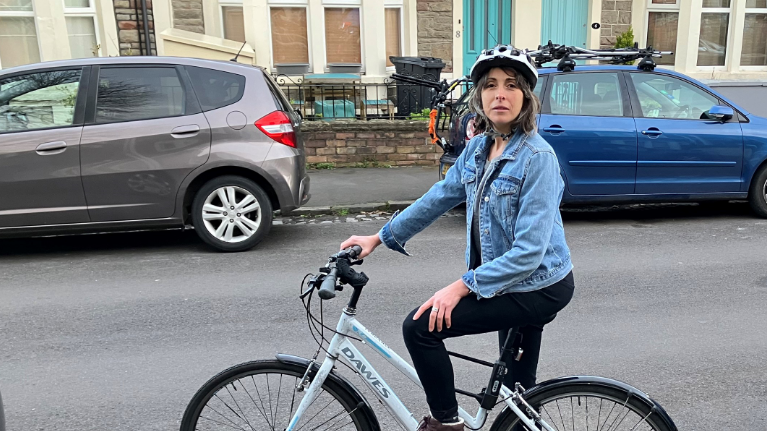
[637, 107]
[228, 3]
[89, 12]
[660, 8]
[191, 104]
[549, 85]
[343, 4]
[291, 4]
[728, 46]
[751, 68]
[80, 103]
[394, 4]
[25, 14]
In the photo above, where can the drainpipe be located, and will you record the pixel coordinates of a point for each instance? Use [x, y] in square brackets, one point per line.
[147, 41]
[135, 10]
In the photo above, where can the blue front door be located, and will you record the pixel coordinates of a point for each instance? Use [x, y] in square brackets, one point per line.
[564, 22]
[487, 23]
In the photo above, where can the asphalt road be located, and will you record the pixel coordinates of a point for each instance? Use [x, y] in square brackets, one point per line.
[116, 332]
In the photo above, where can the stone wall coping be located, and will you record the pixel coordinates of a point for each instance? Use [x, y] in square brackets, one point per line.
[364, 126]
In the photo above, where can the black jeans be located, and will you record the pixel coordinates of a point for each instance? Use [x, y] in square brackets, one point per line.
[529, 311]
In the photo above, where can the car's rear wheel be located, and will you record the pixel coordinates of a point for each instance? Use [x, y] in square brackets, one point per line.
[757, 195]
[231, 213]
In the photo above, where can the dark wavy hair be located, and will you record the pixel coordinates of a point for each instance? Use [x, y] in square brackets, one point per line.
[530, 106]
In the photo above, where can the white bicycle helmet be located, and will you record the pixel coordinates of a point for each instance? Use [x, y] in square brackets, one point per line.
[504, 56]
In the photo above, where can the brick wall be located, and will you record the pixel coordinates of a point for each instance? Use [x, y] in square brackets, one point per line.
[130, 27]
[187, 15]
[616, 19]
[394, 142]
[435, 30]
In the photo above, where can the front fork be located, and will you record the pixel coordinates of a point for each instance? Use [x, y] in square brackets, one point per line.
[314, 388]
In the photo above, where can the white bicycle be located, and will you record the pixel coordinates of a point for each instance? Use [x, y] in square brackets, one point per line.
[293, 393]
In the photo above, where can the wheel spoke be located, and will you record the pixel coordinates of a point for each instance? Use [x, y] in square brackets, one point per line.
[248, 199]
[246, 230]
[261, 399]
[210, 208]
[221, 229]
[231, 195]
[244, 416]
[251, 224]
[253, 206]
[222, 423]
[209, 216]
[221, 193]
[229, 231]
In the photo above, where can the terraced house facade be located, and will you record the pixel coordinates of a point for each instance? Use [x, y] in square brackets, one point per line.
[721, 39]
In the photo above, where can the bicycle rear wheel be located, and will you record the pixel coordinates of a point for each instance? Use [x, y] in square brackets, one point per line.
[586, 406]
[261, 395]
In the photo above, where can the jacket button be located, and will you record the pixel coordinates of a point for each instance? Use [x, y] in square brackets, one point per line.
[487, 198]
[487, 231]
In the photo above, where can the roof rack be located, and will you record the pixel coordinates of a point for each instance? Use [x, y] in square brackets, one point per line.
[568, 54]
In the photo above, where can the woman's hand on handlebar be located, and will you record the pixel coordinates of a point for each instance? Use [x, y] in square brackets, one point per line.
[368, 244]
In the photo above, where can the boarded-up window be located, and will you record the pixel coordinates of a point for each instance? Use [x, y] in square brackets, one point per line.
[290, 44]
[393, 32]
[234, 23]
[342, 36]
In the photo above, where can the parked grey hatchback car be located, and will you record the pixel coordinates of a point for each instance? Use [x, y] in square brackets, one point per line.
[129, 143]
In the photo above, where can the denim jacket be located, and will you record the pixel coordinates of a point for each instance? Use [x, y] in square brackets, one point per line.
[520, 226]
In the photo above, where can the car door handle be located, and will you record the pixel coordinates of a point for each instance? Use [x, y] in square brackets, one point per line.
[185, 131]
[555, 128]
[49, 148]
[652, 132]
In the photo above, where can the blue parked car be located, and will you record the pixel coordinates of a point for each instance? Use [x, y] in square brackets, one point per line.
[629, 135]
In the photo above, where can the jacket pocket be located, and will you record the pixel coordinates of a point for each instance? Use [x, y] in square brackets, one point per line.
[505, 199]
[469, 181]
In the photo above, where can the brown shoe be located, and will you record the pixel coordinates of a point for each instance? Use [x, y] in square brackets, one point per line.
[431, 424]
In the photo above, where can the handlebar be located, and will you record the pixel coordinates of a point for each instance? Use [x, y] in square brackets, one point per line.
[339, 266]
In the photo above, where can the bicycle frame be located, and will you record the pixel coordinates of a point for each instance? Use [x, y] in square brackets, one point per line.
[341, 347]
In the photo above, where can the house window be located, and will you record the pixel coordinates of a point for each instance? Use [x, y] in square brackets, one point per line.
[80, 16]
[342, 36]
[393, 17]
[290, 41]
[232, 20]
[755, 34]
[18, 36]
[714, 25]
[662, 25]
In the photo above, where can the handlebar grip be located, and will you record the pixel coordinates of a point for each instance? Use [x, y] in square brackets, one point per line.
[355, 251]
[328, 287]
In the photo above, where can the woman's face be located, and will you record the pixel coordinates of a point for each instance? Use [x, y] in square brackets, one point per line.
[502, 99]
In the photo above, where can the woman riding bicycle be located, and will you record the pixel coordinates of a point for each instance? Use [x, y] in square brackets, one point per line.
[519, 268]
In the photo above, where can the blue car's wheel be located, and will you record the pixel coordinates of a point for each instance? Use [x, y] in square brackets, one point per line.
[757, 195]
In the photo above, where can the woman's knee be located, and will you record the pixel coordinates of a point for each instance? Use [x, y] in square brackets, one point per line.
[414, 330]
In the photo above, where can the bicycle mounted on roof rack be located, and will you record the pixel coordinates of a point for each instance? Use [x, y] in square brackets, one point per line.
[460, 121]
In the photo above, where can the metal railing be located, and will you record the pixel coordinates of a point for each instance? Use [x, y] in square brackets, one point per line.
[357, 100]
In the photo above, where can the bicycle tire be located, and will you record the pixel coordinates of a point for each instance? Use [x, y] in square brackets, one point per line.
[234, 416]
[619, 407]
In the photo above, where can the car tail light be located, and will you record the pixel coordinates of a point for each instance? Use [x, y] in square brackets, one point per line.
[277, 126]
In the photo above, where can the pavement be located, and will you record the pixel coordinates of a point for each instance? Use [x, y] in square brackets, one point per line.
[356, 190]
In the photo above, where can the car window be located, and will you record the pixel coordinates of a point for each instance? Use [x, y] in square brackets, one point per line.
[663, 96]
[596, 94]
[279, 97]
[214, 88]
[138, 93]
[38, 100]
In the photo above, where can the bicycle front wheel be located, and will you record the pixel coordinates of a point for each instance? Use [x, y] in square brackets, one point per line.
[262, 395]
[585, 406]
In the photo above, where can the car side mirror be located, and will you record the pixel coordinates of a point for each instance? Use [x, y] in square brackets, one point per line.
[721, 113]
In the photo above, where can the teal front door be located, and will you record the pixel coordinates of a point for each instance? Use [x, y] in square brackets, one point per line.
[564, 22]
[486, 23]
